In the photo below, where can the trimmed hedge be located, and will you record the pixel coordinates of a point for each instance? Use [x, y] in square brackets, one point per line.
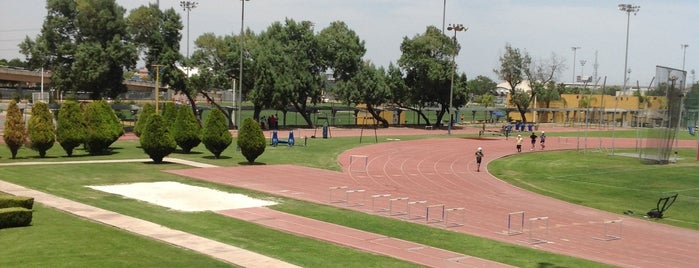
[16, 201]
[15, 217]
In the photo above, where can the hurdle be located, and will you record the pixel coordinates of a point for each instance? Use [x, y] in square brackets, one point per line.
[335, 198]
[373, 202]
[358, 156]
[434, 218]
[349, 202]
[515, 223]
[535, 237]
[460, 221]
[409, 216]
[610, 235]
[392, 211]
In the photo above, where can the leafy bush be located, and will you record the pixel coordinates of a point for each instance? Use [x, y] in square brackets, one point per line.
[71, 130]
[11, 201]
[15, 217]
[215, 135]
[103, 127]
[146, 112]
[156, 140]
[251, 140]
[169, 114]
[186, 129]
[42, 134]
[15, 133]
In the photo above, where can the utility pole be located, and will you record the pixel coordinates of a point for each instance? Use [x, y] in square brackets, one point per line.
[157, 85]
[575, 50]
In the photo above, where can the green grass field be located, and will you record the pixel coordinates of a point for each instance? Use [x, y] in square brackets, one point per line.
[51, 228]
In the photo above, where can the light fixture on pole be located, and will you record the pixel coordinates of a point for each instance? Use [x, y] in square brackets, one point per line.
[582, 69]
[240, 76]
[684, 54]
[575, 50]
[628, 8]
[455, 28]
[188, 6]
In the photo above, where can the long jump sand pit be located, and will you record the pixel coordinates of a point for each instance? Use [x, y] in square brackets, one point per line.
[183, 197]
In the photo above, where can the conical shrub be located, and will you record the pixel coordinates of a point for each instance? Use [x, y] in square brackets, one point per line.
[71, 130]
[15, 133]
[251, 140]
[215, 135]
[156, 140]
[186, 129]
[42, 134]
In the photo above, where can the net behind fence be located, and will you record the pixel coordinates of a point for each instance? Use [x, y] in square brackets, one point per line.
[659, 142]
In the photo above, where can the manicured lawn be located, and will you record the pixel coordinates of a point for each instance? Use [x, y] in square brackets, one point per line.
[612, 183]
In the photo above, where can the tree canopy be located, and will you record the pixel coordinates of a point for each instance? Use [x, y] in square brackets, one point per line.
[86, 45]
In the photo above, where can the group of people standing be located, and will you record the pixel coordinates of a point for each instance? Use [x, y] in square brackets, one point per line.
[271, 121]
[533, 137]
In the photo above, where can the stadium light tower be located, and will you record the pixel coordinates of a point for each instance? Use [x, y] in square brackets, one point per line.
[188, 6]
[628, 8]
[684, 54]
[575, 50]
[456, 28]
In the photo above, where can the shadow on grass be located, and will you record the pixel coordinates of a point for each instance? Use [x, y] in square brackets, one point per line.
[179, 151]
[213, 157]
[246, 163]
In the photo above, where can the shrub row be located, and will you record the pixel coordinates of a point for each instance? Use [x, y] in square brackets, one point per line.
[11, 201]
[15, 217]
[15, 211]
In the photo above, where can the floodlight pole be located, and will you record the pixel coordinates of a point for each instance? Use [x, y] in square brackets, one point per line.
[575, 50]
[456, 28]
[628, 8]
[188, 6]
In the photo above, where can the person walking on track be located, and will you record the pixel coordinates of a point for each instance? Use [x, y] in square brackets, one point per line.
[519, 143]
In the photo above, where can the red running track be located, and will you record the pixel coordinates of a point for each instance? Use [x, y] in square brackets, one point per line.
[441, 171]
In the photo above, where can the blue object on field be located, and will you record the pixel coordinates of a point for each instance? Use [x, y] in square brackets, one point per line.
[290, 142]
[530, 127]
[276, 140]
[692, 130]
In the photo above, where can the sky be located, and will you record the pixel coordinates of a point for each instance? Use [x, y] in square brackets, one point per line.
[541, 28]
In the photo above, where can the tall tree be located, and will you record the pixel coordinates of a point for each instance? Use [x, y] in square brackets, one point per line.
[71, 130]
[342, 50]
[15, 134]
[289, 66]
[514, 66]
[42, 133]
[367, 87]
[426, 60]
[86, 45]
[481, 85]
